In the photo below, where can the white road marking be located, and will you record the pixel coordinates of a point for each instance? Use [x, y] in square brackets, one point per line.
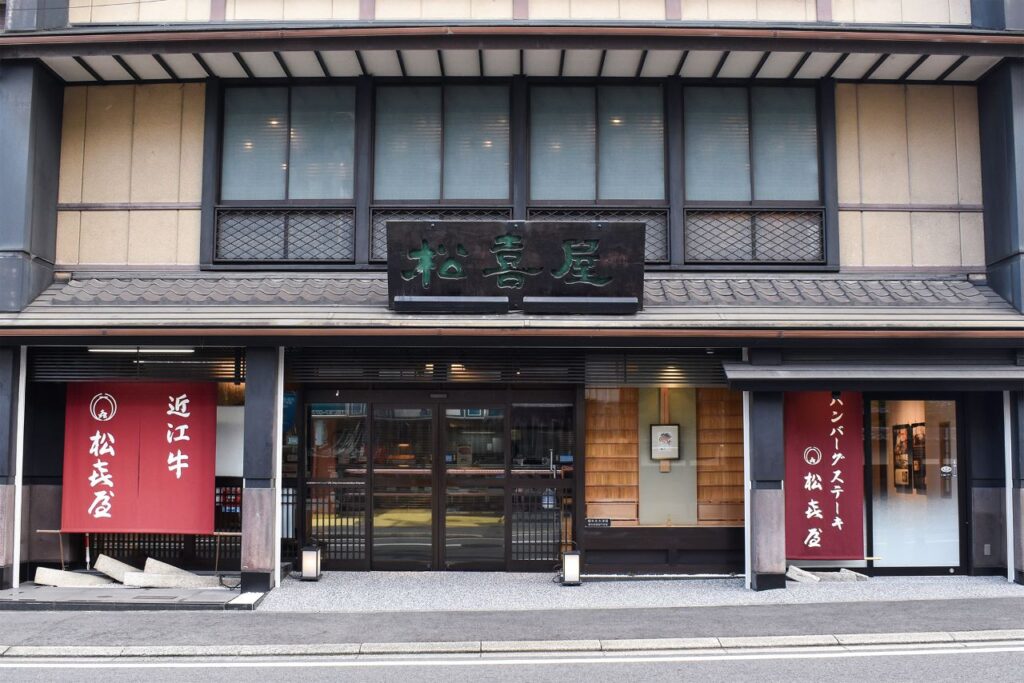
[360, 662]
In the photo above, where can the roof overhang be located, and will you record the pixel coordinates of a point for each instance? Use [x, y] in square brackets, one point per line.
[873, 376]
[166, 53]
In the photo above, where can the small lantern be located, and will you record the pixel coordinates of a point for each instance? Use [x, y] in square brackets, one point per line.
[311, 562]
[571, 568]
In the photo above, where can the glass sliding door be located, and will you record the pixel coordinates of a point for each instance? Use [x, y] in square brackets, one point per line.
[915, 505]
[336, 473]
[474, 497]
[403, 487]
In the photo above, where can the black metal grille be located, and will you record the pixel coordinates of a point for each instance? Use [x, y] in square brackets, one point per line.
[380, 217]
[695, 369]
[414, 366]
[768, 237]
[186, 551]
[336, 519]
[655, 237]
[69, 364]
[286, 235]
[542, 523]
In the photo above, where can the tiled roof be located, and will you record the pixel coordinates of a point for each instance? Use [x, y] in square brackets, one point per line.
[289, 290]
[672, 301]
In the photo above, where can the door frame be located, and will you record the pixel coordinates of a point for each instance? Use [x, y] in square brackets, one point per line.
[962, 489]
[438, 399]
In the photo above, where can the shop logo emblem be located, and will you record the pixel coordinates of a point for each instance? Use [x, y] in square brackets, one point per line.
[812, 455]
[103, 407]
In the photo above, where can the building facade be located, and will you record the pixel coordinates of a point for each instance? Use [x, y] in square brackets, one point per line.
[819, 359]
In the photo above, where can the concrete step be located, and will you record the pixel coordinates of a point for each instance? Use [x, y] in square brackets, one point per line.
[113, 568]
[158, 567]
[65, 579]
[147, 579]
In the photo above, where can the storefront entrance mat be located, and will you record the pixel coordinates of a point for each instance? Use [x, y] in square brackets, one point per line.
[33, 597]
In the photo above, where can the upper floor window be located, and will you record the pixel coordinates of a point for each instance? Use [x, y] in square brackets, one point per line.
[436, 143]
[750, 144]
[288, 143]
[602, 143]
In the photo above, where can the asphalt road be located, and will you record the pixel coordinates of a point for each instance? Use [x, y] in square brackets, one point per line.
[991, 662]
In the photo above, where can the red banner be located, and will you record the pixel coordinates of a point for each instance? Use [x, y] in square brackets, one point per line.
[139, 458]
[824, 476]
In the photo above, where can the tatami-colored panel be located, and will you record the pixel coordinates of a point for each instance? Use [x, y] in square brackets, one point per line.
[732, 10]
[113, 11]
[72, 144]
[293, 10]
[549, 9]
[696, 10]
[595, 9]
[69, 228]
[345, 9]
[188, 238]
[156, 143]
[156, 11]
[108, 140]
[936, 238]
[645, 10]
[783, 10]
[882, 131]
[960, 11]
[401, 9]
[193, 108]
[152, 237]
[887, 239]
[879, 11]
[80, 12]
[968, 144]
[198, 10]
[255, 10]
[847, 143]
[925, 11]
[104, 238]
[972, 239]
[491, 9]
[932, 137]
[851, 239]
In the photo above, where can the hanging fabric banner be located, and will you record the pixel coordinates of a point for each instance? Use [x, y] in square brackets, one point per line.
[824, 476]
[139, 458]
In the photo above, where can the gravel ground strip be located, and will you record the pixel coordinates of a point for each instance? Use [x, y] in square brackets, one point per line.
[489, 591]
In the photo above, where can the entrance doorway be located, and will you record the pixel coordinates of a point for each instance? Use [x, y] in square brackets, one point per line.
[916, 514]
[467, 480]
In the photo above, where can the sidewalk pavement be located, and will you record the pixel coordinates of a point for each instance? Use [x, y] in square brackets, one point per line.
[269, 633]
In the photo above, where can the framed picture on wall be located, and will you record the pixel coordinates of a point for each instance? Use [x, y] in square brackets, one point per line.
[901, 452]
[665, 442]
[918, 467]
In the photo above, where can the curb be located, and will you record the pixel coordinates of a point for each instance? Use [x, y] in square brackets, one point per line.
[957, 638]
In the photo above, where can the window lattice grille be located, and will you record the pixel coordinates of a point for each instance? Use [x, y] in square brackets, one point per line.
[286, 235]
[754, 237]
[380, 218]
[656, 220]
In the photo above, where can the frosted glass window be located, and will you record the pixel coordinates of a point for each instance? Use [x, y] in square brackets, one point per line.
[631, 130]
[255, 143]
[563, 150]
[407, 147]
[717, 144]
[476, 141]
[785, 144]
[322, 143]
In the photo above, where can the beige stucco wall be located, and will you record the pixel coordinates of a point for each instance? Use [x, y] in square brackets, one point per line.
[851, 11]
[146, 11]
[750, 10]
[131, 146]
[907, 147]
[289, 10]
[902, 11]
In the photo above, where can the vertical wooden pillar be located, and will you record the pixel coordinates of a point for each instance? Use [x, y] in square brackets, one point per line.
[259, 469]
[765, 474]
[10, 366]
